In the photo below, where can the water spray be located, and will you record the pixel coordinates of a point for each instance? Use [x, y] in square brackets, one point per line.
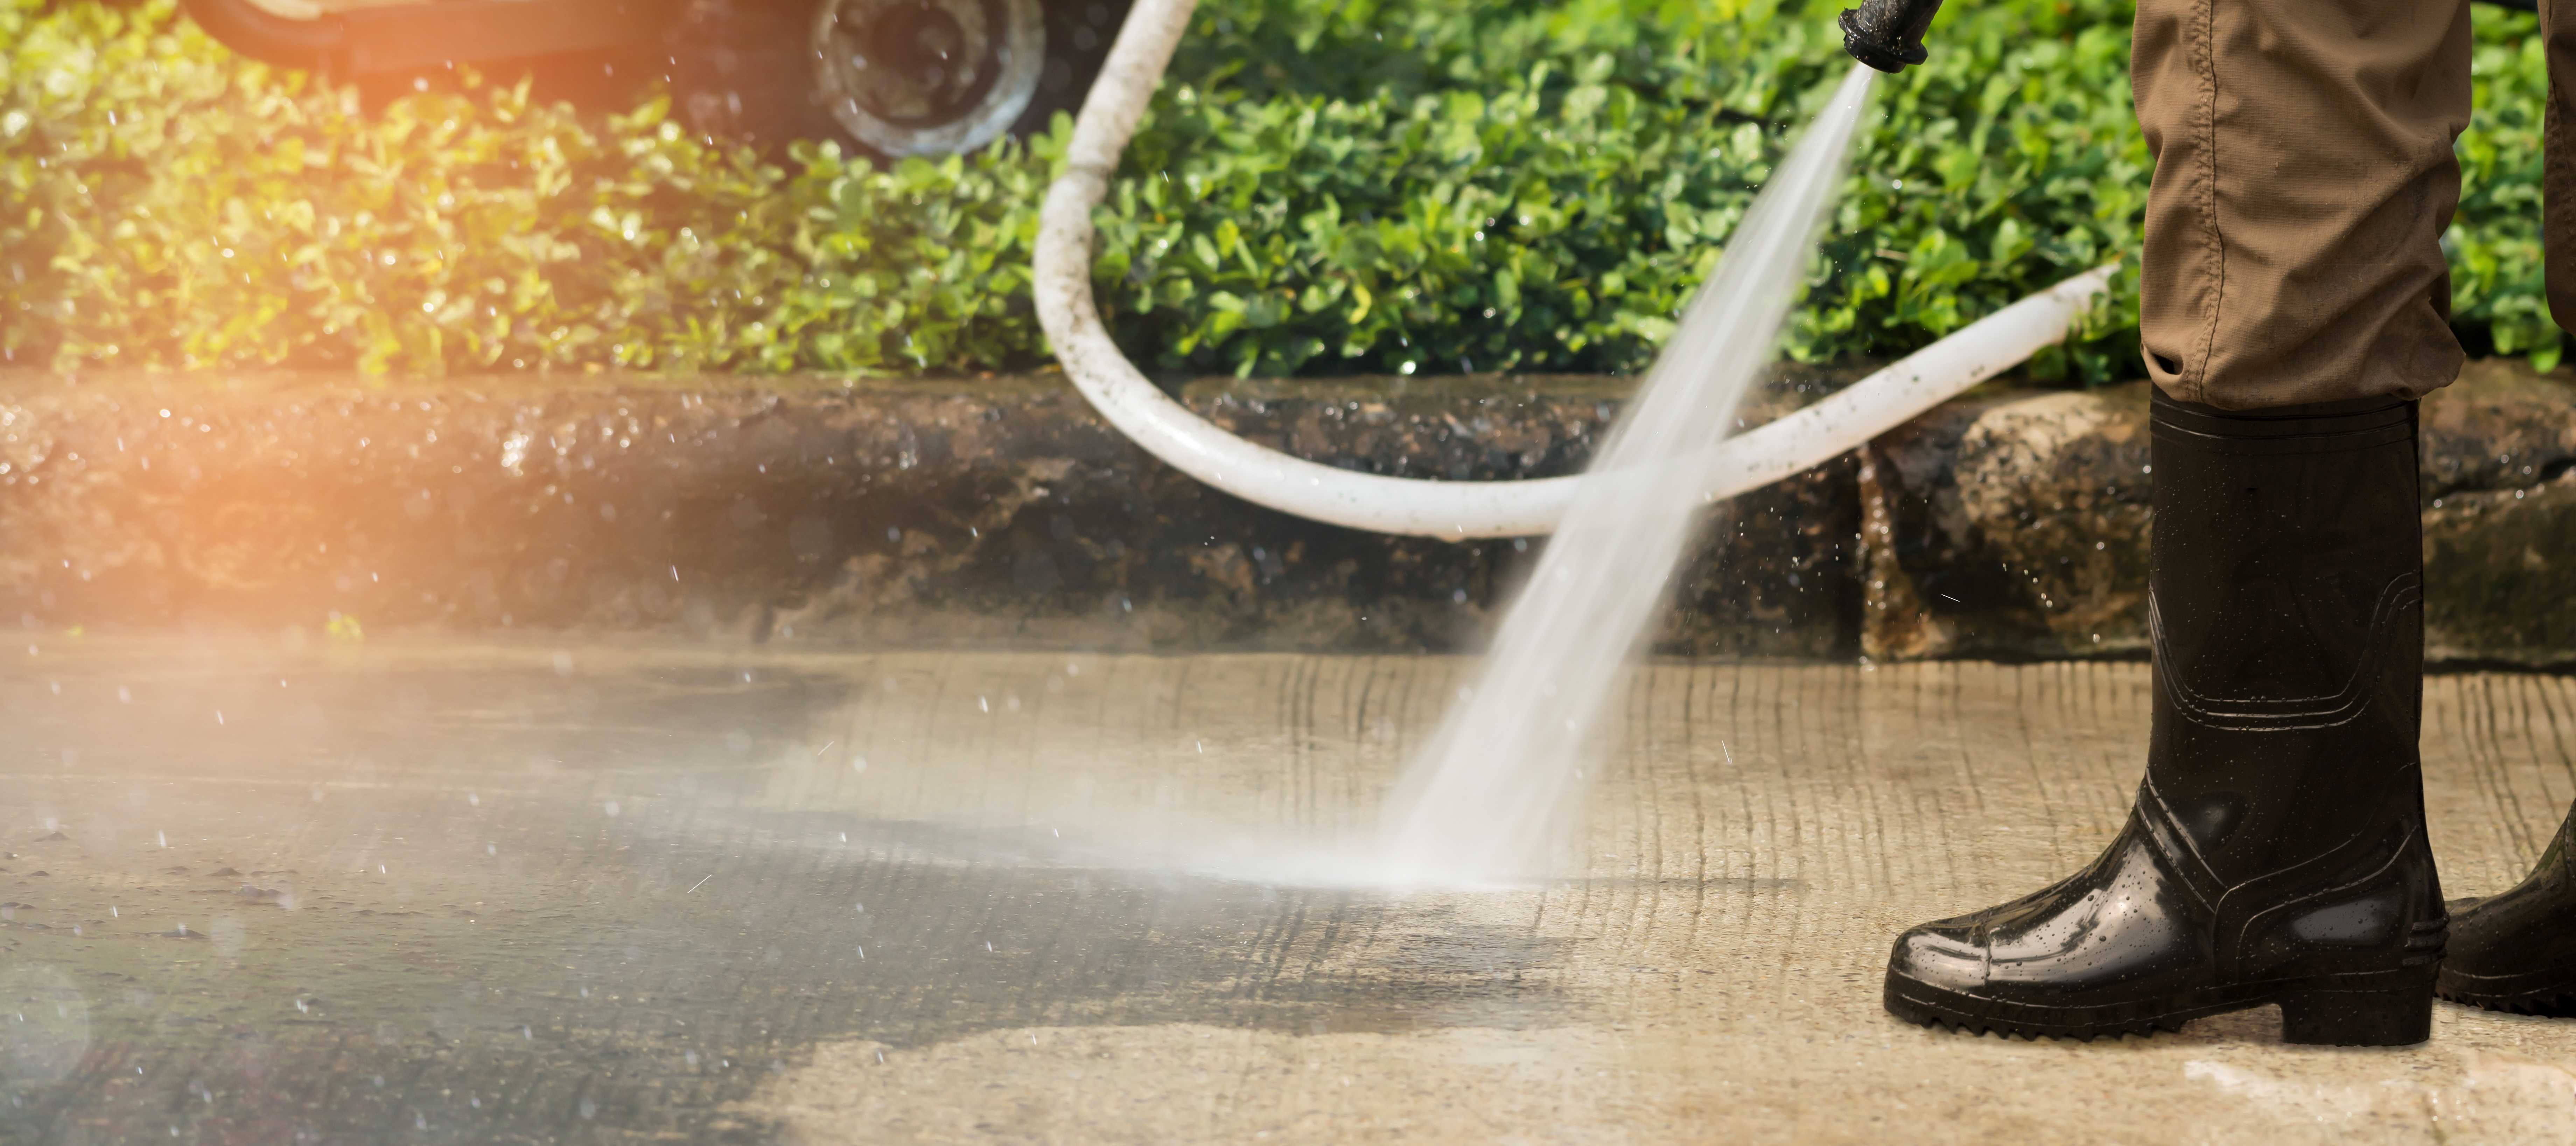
[1497, 785]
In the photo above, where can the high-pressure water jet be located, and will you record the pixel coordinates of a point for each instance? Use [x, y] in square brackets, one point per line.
[1500, 779]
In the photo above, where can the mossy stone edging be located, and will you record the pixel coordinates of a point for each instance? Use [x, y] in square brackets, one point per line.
[1000, 511]
[2015, 524]
[2009, 523]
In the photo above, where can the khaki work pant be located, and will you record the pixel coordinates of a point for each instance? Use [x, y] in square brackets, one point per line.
[2303, 179]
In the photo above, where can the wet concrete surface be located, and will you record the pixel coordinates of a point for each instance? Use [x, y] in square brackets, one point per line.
[424, 892]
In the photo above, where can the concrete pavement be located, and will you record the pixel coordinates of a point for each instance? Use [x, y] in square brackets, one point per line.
[442, 892]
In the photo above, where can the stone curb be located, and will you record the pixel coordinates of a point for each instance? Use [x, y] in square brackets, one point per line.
[976, 513]
[2014, 525]
[997, 512]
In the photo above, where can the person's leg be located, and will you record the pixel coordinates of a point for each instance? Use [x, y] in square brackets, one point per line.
[2304, 175]
[2517, 951]
[2292, 311]
[2558, 159]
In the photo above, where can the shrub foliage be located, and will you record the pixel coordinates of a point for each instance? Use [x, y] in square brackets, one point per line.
[1323, 186]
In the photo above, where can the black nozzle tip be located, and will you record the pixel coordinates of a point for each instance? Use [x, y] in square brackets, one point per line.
[1875, 49]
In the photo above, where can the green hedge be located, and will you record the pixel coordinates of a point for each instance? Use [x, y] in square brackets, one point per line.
[1324, 186]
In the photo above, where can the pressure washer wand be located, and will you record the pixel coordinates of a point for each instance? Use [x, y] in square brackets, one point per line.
[1888, 34]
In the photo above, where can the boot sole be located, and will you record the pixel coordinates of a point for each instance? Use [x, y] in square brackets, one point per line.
[2393, 1008]
[2550, 994]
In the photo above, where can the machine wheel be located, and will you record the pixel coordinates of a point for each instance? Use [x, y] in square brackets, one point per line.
[927, 77]
[894, 77]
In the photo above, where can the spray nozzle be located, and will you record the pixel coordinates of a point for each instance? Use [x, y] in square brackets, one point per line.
[1888, 34]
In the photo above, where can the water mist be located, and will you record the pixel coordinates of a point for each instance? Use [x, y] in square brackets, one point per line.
[1498, 785]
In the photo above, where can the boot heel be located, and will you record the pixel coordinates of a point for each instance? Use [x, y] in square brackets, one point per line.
[2379, 1017]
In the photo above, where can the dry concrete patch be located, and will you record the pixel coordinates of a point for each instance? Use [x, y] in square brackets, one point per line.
[1188, 1083]
[2220, 1081]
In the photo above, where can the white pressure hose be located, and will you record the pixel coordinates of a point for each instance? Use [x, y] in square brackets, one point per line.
[1419, 506]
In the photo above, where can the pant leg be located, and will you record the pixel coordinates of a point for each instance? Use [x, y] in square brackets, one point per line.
[2558, 165]
[2303, 178]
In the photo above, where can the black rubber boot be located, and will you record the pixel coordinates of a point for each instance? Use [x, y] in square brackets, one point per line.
[2517, 951]
[2276, 852]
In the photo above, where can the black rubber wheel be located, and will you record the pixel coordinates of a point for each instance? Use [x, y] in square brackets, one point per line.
[747, 71]
[751, 70]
